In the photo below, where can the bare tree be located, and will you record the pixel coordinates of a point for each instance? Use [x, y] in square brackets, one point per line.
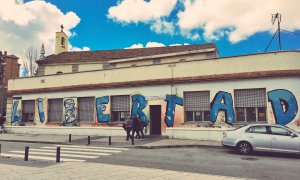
[29, 62]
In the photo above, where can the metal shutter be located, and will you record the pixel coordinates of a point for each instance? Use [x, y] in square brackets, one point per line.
[120, 103]
[250, 98]
[55, 112]
[86, 109]
[28, 106]
[197, 101]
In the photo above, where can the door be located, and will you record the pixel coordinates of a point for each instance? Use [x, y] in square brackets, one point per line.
[259, 137]
[155, 119]
[283, 141]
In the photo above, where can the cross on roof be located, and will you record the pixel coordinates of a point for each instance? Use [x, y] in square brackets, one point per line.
[62, 28]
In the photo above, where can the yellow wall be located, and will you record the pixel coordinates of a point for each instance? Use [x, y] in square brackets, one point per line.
[231, 65]
[58, 47]
[55, 69]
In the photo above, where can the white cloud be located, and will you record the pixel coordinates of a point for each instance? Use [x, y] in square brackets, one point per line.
[128, 11]
[162, 27]
[149, 44]
[71, 48]
[235, 18]
[31, 24]
[153, 44]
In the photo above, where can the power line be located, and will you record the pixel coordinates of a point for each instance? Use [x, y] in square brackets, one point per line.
[271, 40]
[290, 32]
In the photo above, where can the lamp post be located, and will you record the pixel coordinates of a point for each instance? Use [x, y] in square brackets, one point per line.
[2, 79]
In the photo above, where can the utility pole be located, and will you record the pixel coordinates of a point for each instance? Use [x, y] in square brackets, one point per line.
[277, 17]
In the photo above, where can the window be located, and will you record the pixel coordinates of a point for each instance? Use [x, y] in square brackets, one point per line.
[55, 110]
[280, 131]
[120, 107]
[62, 43]
[86, 109]
[28, 111]
[106, 66]
[257, 129]
[41, 71]
[197, 106]
[211, 54]
[250, 105]
[75, 68]
[156, 61]
[112, 65]
[59, 72]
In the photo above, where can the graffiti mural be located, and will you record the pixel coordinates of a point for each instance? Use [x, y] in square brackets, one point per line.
[101, 107]
[138, 104]
[41, 110]
[70, 111]
[16, 111]
[284, 105]
[172, 101]
[222, 102]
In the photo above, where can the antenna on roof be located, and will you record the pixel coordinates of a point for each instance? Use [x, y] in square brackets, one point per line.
[275, 17]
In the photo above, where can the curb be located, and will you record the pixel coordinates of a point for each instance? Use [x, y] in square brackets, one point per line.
[177, 146]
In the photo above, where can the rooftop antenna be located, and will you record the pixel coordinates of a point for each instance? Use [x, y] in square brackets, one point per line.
[276, 17]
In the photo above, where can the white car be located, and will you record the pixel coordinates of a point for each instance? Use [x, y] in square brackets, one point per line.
[262, 137]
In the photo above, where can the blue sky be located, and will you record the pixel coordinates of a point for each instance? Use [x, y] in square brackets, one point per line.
[236, 28]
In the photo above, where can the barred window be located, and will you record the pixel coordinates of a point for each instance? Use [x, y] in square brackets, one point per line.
[120, 107]
[55, 110]
[75, 68]
[250, 105]
[41, 71]
[28, 111]
[197, 106]
[156, 61]
[86, 106]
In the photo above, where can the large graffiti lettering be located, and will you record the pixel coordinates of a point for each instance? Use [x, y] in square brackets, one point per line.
[70, 115]
[172, 100]
[100, 107]
[17, 111]
[41, 110]
[284, 105]
[138, 104]
[222, 102]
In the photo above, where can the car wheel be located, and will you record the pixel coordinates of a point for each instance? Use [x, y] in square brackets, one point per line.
[244, 148]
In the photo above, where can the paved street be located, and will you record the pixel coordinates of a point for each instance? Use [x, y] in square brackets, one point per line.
[131, 163]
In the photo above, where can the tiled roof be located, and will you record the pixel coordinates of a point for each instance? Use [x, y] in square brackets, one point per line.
[104, 55]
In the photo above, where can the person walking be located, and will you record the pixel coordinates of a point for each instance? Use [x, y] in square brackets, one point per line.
[127, 125]
[136, 127]
[141, 128]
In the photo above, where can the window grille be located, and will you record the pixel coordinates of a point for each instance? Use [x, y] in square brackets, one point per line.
[55, 110]
[197, 101]
[250, 98]
[28, 110]
[120, 103]
[75, 68]
[86, 106]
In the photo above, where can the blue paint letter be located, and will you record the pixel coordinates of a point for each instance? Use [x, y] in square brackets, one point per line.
[15, 115]
[100, 101]
[138, 104]
[222, 102]
[284, 105]
[172, 100]
[41, 110]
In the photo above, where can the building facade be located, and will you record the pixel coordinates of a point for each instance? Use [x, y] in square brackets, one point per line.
[180, 91]
[177, 97]
[10, 69]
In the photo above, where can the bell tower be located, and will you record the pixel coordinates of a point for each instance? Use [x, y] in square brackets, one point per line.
[61, 41]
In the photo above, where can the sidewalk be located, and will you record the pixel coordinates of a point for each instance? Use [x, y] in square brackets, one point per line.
[148, 142]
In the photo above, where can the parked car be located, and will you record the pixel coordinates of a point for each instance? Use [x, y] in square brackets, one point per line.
[262, 137]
